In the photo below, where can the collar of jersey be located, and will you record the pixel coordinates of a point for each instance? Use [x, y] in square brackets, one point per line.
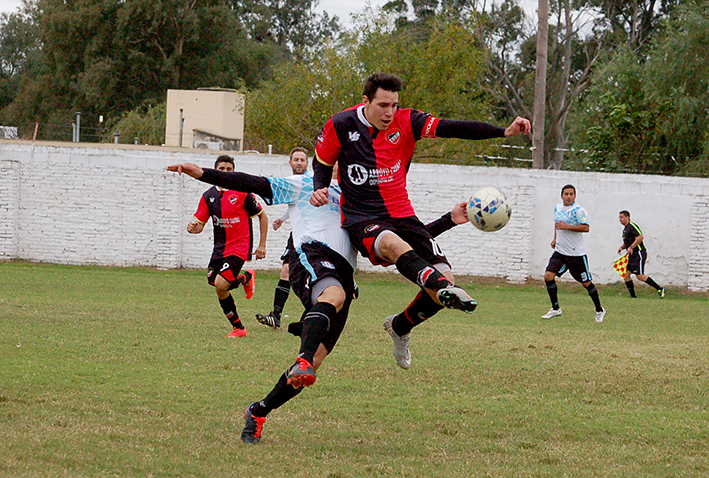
[362, 118]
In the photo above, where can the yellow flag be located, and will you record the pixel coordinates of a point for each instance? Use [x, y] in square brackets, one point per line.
[620, 265]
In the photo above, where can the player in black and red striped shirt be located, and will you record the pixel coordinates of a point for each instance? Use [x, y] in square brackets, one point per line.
[373, 143]
[231, 213]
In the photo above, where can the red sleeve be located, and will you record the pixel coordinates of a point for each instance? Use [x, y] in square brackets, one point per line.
[202, 214]
[253, 208]
[328, 147]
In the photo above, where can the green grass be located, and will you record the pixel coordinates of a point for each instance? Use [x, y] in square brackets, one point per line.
[127, 372]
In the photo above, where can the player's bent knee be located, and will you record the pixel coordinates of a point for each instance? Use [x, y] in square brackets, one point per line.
[334, 295]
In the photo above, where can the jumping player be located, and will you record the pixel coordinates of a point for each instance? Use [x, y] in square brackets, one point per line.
[231, 213]
[373, 143]
[321, 274]
[570, 222]
[637, 254]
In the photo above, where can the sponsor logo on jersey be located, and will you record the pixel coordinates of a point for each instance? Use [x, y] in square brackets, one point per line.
[357, 174]
[427, 128]
[394, 137]
[354, 136]
[225, 221]
[211, 199]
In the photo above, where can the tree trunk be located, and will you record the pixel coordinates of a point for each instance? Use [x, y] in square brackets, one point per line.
[540, 85]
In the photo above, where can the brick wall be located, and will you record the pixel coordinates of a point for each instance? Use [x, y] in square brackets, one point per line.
[108, 205]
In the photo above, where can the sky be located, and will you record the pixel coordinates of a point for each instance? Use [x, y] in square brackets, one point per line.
[9, 6]
[343, 8]
[334, 7]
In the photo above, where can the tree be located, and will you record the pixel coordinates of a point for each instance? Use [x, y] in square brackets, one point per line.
[19, 48]
[441, 76]
[649, 114]
[571, 58]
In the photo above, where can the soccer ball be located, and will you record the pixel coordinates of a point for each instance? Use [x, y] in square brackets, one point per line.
[489, 209]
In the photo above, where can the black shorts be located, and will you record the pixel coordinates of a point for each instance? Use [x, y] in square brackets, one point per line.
[364, 234]
[636, 262]
[289, 252]
[228, 267]
[313, 266]
[576, 265]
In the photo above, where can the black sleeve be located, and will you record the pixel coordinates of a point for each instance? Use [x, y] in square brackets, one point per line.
[441, 225]
[468, 130]
[236, 181]
[322, 175]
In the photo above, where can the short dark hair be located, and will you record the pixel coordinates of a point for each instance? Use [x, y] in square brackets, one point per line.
[385, 81]
[224, 159]
[624, 213]
[298, 149]
[568, 186]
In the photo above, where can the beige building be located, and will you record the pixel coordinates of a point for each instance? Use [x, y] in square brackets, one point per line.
[209, 118]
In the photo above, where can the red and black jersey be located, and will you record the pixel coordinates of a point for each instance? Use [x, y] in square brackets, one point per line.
[231, 213]
[373, 164]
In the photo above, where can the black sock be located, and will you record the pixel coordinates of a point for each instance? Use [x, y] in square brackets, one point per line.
[631, 287]
[593, 293]
[229, 308]
[418, 311]
[280, 297]
[553, 296]
[280, 394]
[315, 325]
[652, 283]
[420, 272]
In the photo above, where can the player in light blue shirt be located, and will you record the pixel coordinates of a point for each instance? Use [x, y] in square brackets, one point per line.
[570, 223]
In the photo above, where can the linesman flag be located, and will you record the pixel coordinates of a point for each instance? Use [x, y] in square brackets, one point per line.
[620, 265]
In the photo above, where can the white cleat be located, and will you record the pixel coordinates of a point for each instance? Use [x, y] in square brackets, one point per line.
[401, 345]
[600, 315]
[552, 313]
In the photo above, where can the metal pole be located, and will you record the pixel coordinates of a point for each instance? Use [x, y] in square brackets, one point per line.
[182, 125]
[78, 126]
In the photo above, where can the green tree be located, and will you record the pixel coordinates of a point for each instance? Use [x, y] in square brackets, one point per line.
[146, 123]
[106, 57]
[649, 115]
[441, 76]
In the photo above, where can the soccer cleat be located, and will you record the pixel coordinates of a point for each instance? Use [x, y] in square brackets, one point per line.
[269, 320]
[600, 315]
[301, 374]
[662, 292]
[453, 297]
[252, 429]
[237, 333]
[552, 313]
[401, 344]
[250, 286]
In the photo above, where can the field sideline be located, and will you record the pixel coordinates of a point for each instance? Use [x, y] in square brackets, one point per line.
[127, 372]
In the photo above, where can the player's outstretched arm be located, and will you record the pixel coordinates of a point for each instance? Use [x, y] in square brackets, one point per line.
[189, 169]
[458, 215]
[518, 126]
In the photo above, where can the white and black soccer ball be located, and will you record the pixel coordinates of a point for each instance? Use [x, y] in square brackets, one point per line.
[489, 209]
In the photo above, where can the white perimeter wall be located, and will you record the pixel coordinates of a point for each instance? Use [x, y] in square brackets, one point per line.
[106, 205]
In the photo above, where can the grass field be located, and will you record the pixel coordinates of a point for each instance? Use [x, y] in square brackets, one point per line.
[127, 372]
